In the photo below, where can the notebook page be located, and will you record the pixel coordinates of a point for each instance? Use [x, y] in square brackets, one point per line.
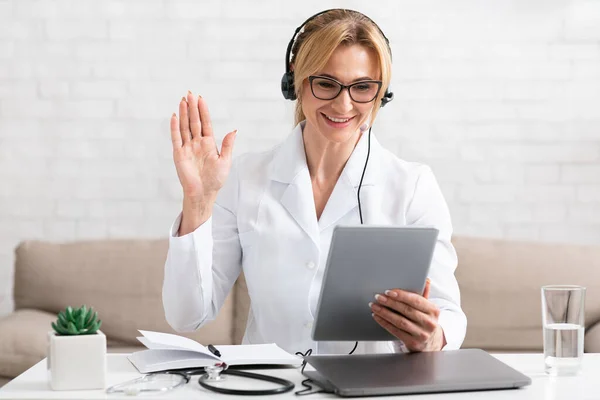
[159, 360]
[175, 341]
[156, 346]
[257, 354]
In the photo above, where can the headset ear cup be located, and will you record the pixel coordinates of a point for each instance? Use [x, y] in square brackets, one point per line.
[287, 86]
[387, 97]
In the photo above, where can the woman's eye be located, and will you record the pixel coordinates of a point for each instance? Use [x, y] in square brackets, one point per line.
[363, 88]
[326, 85]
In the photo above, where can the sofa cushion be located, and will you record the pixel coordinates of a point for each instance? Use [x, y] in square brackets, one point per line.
[500, 283]
[23, 340]
[121, 279]
[241, 308]
[592, 339]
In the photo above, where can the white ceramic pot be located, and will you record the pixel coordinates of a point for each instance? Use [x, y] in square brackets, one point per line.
[77, 362]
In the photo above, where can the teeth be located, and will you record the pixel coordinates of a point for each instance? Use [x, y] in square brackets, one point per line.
[336, 119]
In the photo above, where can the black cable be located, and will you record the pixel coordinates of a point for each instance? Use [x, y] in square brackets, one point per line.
[358, 196]
[308, 353]
[308, 390]
[307, 382]
[354, 348]
[361, 178]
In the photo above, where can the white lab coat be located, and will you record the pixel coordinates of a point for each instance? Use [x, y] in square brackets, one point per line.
[264, 223]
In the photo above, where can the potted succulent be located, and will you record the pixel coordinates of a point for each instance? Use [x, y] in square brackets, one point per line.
[77, 351]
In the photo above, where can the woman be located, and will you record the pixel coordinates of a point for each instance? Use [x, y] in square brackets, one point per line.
[271, 215]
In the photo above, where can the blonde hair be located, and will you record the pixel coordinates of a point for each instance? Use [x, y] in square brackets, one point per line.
[322, 35]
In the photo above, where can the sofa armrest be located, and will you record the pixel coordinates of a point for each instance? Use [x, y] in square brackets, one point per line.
[23, 340]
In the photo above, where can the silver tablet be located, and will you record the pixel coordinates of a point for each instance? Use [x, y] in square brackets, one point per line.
[364, 261]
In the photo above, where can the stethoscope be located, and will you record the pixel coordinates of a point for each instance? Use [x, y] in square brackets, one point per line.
[178, 378]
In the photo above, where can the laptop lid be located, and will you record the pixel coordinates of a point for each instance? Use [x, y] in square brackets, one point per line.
[427, 372]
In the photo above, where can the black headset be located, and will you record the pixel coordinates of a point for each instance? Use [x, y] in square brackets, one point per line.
[287, 81]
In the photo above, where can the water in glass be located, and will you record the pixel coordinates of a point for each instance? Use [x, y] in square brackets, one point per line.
[563, 348]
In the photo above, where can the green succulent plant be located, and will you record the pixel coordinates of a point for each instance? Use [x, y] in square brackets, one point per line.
[78, 321]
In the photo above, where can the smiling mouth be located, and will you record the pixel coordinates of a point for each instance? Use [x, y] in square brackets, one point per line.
[337, 120]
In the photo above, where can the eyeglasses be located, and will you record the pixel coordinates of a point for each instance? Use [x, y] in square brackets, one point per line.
[324, 88]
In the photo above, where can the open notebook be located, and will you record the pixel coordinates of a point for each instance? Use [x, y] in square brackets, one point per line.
[167, 351]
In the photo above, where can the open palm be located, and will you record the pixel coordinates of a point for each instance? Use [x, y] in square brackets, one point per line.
[201, 168]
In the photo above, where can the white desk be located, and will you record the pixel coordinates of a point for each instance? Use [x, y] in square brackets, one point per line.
[32, 384]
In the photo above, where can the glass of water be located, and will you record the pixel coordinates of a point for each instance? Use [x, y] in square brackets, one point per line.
[563, 310]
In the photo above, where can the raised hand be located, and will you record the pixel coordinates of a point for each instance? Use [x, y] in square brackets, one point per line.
[201, 168]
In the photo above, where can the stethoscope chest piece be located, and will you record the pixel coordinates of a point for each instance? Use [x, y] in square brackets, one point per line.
[213, 373]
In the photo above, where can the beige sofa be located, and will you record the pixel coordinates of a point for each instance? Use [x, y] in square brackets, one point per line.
[122, 279]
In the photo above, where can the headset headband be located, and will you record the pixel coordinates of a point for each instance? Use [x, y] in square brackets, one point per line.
[298, 29]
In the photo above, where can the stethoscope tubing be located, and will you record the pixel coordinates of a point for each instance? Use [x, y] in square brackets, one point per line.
[286, 385]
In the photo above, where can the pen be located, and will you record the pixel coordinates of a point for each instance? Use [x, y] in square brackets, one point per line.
[214, 350]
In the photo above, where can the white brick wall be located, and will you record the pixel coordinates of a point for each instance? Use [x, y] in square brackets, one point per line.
[501, 98]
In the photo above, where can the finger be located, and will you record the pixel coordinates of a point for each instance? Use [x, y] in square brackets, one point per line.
[409, 340]
[427, 288]
[227, 146]
[399, 321]
[412, 299]
[184, 127]
[194, 115]
[405, 302]
[175, 134]
[205, 123]
[403, 309]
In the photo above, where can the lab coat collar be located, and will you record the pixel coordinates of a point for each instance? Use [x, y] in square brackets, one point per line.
[289, 166]
[290, 159]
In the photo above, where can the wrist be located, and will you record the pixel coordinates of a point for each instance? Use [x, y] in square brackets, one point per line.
[441, 337]
[195, 213]
[199, 203]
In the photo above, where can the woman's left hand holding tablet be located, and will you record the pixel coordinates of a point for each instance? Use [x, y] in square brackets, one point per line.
[411, 318]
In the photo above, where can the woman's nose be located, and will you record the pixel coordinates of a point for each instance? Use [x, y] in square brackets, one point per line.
[343, 103]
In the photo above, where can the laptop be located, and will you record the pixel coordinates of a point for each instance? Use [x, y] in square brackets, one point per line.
[412, 373]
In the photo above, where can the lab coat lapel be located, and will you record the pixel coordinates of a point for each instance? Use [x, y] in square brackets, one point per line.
[341, 202]
[344, 199]
[298, 200]
[289, 167]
